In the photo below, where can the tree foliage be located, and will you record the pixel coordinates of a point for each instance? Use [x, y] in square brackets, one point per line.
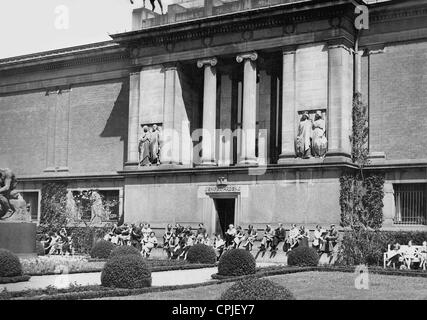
[361, 195]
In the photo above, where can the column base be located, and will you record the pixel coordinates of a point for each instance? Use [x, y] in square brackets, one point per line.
[377, 157]
[337, 156]
[287, 157]
[56, 169]
[130, 166]
[249, 162]
[208, 163]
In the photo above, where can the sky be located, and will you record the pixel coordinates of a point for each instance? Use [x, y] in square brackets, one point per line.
[30, 26]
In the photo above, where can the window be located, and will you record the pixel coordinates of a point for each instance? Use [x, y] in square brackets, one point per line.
[410, 202]
[32, 200]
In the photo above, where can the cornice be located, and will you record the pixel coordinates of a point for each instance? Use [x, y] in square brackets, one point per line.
[238, 22]
[382, 14]
[64, 58]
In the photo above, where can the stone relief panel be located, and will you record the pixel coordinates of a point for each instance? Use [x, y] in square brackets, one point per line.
[311, 140]
[149, 144]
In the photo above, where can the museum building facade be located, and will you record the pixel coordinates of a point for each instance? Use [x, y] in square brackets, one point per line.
[227, 86]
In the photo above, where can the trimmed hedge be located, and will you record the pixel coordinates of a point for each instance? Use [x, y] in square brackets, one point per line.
[368, 247]
[102, 249]
[10, 266]
[236, 262]
[5, 280]
[257, 289]
[201, 253]
[40, 248]
[126, 271]
[92, 292]
[303, 257]
[124, 251]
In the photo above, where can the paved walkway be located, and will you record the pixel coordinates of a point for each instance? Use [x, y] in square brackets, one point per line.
[165, 278]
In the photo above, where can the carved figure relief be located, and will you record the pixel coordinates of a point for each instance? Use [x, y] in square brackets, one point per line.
[149, 145]
[319, 141]
[303, 142]
[311, 138]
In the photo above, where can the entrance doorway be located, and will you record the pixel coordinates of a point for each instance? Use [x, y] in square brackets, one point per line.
[224, 214]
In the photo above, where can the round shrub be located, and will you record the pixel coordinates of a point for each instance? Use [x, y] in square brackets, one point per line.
[126, 271]
[257, 289]
[10, 266]
[303, 257]
[40, 248]
[102, 249]
[124, 251]
[236, 262]
[201, 253]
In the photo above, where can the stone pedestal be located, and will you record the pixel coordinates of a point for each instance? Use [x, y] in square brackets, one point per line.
[18, 237]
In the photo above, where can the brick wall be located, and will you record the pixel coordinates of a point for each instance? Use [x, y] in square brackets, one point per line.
[34, 136]
[98, 127]
[398, 101]
[23, 138]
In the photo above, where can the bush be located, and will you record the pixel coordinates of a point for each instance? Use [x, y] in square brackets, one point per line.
[10, 266]
[102, 249]
[40, 248]
[303, 257]
[126, 271]
[201, 253]
[368, 247]
[257, 289]
[84, 238]
[124, 251]
[236, 262]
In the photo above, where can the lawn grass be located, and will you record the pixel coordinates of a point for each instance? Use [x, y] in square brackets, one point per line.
[314, 286]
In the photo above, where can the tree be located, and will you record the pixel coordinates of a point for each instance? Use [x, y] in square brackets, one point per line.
[361, 196]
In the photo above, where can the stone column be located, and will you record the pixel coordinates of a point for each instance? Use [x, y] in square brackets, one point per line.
[134, 99]
[209, 111]
[289, 111]
[170, 152]
[249, 107]
[340, 96]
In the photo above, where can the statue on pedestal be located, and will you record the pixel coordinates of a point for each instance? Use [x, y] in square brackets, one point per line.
[149, 146]
[144, 147]
[319, 140]
[303, 141]
[12, 205]
[155, 145]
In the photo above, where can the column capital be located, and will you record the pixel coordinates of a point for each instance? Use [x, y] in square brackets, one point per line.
[340, 46]
[170, 66]
[292, 49]
[342, 43]
[248, 55]
[375, 49]
[208, 61]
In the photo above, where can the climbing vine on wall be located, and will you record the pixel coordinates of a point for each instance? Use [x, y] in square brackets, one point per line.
[361, 194]
[53, 205]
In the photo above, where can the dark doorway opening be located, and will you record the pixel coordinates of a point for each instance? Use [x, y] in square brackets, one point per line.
[224, 214]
